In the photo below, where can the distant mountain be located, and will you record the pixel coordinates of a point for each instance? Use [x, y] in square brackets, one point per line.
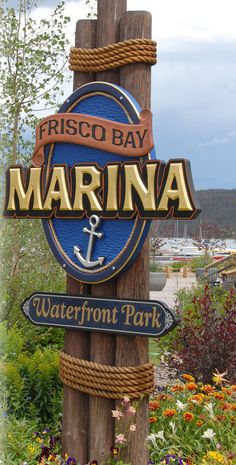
[217, 218]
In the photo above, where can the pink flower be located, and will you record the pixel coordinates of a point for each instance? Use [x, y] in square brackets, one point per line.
[120, 439]
[126, 399]
[131, 410]
[117, 414]
[132, 427]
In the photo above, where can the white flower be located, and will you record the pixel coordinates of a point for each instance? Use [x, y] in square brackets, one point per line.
[209, 408]
[173, 427]
[154, 436]
[131, 410]
[208, 434]
[132, 427]
[126, 399]
[160, 435]
[180, 406]
[117, 414]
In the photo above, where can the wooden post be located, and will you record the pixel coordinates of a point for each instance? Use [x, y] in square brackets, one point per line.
[134, 283]
[76, 404]
[102, 347]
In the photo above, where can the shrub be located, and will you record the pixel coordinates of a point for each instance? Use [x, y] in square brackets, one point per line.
[30, 384]
[200, 262]
[208, 333]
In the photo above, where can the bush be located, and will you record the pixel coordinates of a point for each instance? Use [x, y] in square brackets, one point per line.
[30, 384]
[154, 267]
[207, 335]
[200, 262]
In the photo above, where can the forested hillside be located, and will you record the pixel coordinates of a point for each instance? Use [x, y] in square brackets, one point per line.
[217, 218]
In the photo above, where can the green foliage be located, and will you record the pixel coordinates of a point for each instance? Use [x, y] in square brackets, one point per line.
[30, 384]
[200, 262]
[155, 267]
[176, 266]
[16, 441]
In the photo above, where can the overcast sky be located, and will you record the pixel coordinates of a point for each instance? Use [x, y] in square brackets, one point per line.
[193, 84]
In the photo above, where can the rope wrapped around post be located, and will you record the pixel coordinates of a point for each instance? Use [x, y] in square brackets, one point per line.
[113, 56]
[106, 381]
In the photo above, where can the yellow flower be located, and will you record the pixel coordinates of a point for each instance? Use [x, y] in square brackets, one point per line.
[188, 377]
[218, 378]
[213, 457]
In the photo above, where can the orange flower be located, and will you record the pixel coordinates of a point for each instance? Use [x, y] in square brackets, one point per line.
[232, 419]
[198, 397]
[221, 417]
[169, 412]
[188, 416]
[226, 406]
[219, 395]
[233, 387]
[177, 388]
[152, 420]
[199, 423]
[208, 389]
[191, 386]
[188, 377]
[154, 405]
[233, 407]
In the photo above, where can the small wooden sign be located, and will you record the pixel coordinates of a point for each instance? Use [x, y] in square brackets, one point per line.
[136, 317]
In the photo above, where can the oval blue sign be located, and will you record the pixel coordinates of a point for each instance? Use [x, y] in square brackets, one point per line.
[94, 249]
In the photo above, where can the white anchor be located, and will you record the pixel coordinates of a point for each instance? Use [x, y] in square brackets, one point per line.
[94, 222]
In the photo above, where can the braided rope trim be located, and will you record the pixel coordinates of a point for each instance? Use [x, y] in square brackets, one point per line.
[106, 381]
[113, 56]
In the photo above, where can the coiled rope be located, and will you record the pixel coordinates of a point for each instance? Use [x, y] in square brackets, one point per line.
[113, 56]
[106, 381]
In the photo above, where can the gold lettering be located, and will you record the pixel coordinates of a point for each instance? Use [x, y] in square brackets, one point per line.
[24, 197]
[130, 311]
[138, 319]
[58, 177]
[155, 318]
[87, 189]
[54, 311]
[112, 174]
[69, 312]
[114, 314]
[175, 172]
[97, 315]
[133, 181]
[106, 315]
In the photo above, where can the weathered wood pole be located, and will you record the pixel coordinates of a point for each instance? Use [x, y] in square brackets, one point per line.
[76, 404]
[102, 347]
[134, 283]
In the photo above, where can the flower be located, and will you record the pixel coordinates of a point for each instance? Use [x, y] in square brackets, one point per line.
[117, 414]
[94, 462]
[169, 412]
[188, 416]
[199, 423]
[180, 405]
[114, 450]
[126, 399]
[177, 388]
[191, 386]
[132, 427]
[172, 458]
[173, 427]
[208, 389]
[120, 439]
[216, 456]
[209, 408]
[208, 434]
[72, 461]
[197, 398]
[160, 435]
[188, 377]
[218, 378]
[152, 420]
[131, 410]
[154, 405]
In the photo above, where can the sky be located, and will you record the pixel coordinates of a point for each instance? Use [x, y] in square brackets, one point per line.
[193, 83]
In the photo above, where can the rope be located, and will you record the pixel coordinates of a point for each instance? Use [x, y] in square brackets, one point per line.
[113, 56]
[106, 381]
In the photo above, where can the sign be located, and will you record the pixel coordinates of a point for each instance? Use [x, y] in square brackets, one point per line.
[144, 318]
[96, 183]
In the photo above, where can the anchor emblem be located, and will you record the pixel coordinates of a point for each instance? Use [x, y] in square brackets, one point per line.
[94, 222]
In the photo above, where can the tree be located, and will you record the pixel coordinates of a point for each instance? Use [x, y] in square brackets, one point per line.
[32, 75]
